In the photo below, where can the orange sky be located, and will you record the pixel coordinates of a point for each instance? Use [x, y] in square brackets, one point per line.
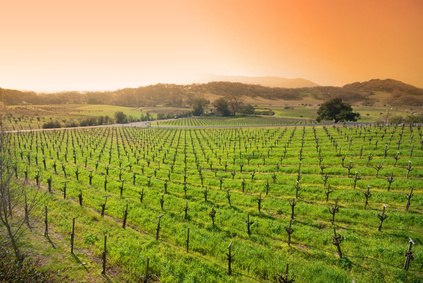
[97, 45]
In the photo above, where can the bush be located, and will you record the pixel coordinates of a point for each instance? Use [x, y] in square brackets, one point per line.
[89, 122]
[51, 124]
[120, 117]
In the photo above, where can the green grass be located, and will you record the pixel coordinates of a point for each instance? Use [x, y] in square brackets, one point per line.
[34, 116]
[233, 121]
[164, 153]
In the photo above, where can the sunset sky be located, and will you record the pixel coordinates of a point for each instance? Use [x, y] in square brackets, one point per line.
[105, 45]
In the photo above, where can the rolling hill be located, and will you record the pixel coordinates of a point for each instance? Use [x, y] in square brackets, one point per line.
[269, 81]
[373, 92]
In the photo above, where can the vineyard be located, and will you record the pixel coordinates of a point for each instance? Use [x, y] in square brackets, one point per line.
[336, 203]
[237, 121]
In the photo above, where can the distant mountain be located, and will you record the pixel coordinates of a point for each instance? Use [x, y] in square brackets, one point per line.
[269, 81]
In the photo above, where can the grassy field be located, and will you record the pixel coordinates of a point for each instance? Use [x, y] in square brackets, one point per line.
[234, 121]
[34, 116]
[161, 171]
[71, 115]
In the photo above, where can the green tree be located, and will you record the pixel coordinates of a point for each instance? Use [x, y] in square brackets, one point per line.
[222, 106]
[247, 110]
[337, 110]
[198, 105]
[120, 117]
[235, 104]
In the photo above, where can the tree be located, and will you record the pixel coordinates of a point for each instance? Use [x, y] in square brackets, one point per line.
[120, 117]
[247, 110]
[337, 110]
[198, 105]
[12, 195]
[235, 104]
[222, 106]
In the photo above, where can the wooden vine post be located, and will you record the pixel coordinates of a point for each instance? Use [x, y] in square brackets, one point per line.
[249, 223]
[104, 255]
[187, 240]
[289, 231]
[147, 275]
[259, 201]
[409, 169]
[186, 208]
[73, 234]
[103, 206]
[142, 195]
[382, 217]
[64, 189]
[125, 215]
[284, 278]
[26, 212]
[230, 258]
[409, 255]
[336, 240]
[408, 197]
[292, 204]
[162, 201]
[46, 222]
[158, 226]
[333, 210]
[378, 168]
[356, 178]
[212, 214]
[390, 180]
[80, 198]
[205, 195]
[328, 192]
[367, 194]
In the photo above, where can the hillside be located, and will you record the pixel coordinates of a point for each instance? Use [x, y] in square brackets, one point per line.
[373, 92]
[395, 92]
[269, 81]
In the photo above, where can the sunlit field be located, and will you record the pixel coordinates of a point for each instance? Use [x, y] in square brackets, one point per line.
[245, 186]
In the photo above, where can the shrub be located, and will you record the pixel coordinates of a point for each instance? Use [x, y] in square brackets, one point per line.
[51, 124]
